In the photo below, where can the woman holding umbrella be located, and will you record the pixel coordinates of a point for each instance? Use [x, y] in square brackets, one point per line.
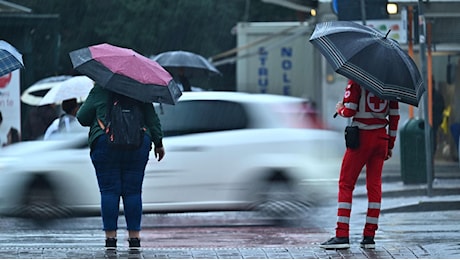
[125, 74]
[120, 172]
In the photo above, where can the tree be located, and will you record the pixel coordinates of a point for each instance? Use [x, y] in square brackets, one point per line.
[153, 26]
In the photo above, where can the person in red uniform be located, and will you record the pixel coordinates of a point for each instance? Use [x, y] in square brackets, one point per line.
[373, 116]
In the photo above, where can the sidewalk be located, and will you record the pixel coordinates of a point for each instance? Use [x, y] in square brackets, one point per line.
[442, 170]
[312, 252]
[444, 193]
[438, 238]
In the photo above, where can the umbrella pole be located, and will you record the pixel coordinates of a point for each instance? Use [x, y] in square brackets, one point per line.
[363, 11]
[428, 150]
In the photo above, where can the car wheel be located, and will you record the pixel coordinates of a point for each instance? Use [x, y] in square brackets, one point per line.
[278, 200]
[40, 201]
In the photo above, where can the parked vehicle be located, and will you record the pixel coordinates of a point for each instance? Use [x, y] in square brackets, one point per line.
[224, 151]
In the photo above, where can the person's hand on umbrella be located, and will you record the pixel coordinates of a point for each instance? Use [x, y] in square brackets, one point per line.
[159, 153]
[339, 106]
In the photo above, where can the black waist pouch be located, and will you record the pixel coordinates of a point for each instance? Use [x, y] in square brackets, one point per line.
[352, 137]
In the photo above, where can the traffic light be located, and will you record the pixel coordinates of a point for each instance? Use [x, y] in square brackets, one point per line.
[350, 10]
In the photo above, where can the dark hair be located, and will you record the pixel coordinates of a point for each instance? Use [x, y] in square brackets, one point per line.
[69, 105]
[14, 133]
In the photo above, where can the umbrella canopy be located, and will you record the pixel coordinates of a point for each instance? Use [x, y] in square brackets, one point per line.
[191, 63]
[35, 93]
[10, 58]
[76, 87]
[368, 57]
[126, 72]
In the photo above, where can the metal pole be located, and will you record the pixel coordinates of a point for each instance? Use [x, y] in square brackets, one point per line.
[428, 149]
[246, 11]
[363, 19]
[363, 11]
[410, 42]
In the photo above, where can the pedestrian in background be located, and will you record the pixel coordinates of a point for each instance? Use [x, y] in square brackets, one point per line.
[1, 123]
[371, 115]
[438, 111]
[183, 79]
[66, 121]
[13, 136]
[38, 120]
[3, 140]
[119, 172]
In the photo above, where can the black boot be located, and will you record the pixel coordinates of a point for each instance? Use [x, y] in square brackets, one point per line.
[336, 243]
[134, 243]
[110, 243]
[368, 242]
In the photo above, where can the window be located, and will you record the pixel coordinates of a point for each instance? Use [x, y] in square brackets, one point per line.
[200, 116]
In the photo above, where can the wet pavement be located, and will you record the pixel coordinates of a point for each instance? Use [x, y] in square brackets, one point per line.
[412, 225]
[395, 252]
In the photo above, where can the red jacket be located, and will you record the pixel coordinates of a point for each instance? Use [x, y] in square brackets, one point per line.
[369, 111]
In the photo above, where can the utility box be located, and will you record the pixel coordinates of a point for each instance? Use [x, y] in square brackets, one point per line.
[413, 151]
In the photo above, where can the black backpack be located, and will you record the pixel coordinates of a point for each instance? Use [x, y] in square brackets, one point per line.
[125, 122]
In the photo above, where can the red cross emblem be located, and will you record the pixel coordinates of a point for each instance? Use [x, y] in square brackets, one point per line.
[374, 103]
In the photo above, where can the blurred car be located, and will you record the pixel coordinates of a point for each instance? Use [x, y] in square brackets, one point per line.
[224, 151]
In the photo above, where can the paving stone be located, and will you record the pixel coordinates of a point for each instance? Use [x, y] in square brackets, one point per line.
[414, 251]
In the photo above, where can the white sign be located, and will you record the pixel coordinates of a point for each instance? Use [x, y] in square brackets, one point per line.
[274, 58]
[10, 106]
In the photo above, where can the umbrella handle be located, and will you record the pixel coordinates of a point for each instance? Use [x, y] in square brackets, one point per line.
[335, 114]
[161, 109]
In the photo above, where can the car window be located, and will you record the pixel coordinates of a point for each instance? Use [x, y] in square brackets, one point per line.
[200, 116]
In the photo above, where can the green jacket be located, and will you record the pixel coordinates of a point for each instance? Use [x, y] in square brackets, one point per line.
[95, 107]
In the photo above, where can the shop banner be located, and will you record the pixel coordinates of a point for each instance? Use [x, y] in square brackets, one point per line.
[10, 108]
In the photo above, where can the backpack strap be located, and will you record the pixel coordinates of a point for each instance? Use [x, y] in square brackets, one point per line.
[108, 112]
[101, 125]
[109, 105]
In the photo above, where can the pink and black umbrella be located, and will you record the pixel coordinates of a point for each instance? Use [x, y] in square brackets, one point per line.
[126, 72]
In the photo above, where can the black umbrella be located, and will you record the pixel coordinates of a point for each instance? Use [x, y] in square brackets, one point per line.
[368, 57]
[191, 63]
[184, 65]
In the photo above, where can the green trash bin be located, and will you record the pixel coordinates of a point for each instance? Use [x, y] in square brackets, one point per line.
[412, 148]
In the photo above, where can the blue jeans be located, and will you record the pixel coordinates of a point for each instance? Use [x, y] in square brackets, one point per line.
[120, 173]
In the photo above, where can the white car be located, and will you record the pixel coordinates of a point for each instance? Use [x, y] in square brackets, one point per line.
[224, 151]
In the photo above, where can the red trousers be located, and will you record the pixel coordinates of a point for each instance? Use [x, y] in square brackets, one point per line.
[371, 153]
